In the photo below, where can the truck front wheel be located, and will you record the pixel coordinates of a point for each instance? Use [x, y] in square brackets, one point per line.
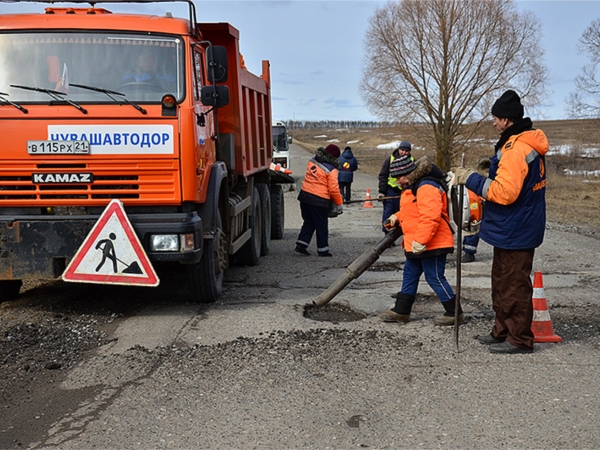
[206, 277]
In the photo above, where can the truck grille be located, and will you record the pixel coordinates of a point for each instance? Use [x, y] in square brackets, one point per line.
[137, 181]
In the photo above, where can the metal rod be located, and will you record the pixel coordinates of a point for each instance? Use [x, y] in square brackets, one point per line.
[377, 199]
[461, 193]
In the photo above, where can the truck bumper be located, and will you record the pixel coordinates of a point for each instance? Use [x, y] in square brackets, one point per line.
[40, 247]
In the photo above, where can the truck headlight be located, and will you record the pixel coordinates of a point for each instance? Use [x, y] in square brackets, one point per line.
[172, 242]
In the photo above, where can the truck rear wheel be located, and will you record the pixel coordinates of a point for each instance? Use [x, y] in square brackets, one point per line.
[9, 289]
[277, 212]
[206, 277]
[249, 254]
[265, 218]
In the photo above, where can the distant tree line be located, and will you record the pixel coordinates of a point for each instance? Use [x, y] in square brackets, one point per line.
[315, 124]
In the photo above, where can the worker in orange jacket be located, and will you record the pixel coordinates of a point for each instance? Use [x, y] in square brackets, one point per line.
[319, 189]
[514, 220]
[428, 237]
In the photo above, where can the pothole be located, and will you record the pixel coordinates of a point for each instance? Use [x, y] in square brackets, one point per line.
[332, 312]
[386, 267]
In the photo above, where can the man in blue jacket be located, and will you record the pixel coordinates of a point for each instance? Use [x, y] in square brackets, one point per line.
[348, 165]
[514, 220]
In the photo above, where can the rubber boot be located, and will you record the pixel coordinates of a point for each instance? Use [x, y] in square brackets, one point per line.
[448, 317]
[401, 310]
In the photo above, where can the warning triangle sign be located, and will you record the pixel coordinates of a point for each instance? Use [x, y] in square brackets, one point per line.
[112, 253]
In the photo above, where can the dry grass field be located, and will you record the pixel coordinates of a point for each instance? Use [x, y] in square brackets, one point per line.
[575, 146]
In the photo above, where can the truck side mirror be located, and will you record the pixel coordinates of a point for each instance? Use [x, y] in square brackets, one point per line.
[289, 139]
[216, 62]
[215, 96]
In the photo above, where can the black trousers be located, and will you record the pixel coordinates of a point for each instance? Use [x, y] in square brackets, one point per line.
[345, 189]
[512, 292]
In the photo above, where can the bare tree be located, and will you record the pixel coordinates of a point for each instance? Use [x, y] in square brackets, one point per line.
[442, 62]
[584, 102]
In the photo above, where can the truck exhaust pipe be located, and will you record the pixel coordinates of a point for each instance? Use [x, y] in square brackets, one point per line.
[358, 267]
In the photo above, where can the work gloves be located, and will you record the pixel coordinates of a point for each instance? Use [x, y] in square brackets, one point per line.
[462, 174]
[381, 196]
[391, 222]
[418, 248]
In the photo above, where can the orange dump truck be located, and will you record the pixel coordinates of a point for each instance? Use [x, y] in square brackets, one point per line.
[155, 111]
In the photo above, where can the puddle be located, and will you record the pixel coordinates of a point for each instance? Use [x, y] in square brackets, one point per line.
[332, 312]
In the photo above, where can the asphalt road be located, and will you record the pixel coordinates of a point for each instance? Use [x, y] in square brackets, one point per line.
[251, 371]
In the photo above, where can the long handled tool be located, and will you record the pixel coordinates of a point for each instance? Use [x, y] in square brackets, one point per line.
[358, 267]
[376, 199]
[461, 194]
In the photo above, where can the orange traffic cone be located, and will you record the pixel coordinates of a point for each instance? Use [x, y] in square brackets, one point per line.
[541, 325]
[368, 203]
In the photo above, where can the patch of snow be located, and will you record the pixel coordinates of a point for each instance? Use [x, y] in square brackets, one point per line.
[333, 140]
[352, 142]
[321, 136]
[585, 173]
[568, 149]
[391, 146]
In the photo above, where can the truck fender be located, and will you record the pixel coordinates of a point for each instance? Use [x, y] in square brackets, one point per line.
[216, 198]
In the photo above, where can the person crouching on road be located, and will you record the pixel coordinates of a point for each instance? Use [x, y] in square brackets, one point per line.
[319, 188]
[514, 221]
[428, 237]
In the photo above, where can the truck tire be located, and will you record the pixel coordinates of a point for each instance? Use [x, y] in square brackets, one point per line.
[9, 289]
[205, 278]
[277, 212]
[249, 254]
[265, 218]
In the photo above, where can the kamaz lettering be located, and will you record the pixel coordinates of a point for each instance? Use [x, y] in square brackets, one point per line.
[54, 178]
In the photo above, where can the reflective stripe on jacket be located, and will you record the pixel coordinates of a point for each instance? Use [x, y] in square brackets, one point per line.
[515, 209]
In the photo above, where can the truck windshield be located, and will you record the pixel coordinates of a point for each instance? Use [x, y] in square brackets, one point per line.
[144, 67]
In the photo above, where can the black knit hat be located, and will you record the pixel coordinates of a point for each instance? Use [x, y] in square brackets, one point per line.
[402, 165]
[405, 145]
[333, 150]
[508, 106]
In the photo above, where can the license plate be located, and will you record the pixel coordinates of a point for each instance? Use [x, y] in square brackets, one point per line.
[58, 147]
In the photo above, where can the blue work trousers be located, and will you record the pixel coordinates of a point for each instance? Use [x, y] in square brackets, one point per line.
[470, 243]
[315, 219]
[434, 269]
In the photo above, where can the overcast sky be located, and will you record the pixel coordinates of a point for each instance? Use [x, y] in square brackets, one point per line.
[316, 48]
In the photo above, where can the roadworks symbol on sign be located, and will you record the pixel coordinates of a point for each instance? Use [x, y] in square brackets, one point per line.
[112, 253]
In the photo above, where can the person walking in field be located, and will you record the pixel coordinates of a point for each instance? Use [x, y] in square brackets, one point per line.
[319, 189]
[514, 220]
[428, 237]
[388, 185]
[348, 165]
